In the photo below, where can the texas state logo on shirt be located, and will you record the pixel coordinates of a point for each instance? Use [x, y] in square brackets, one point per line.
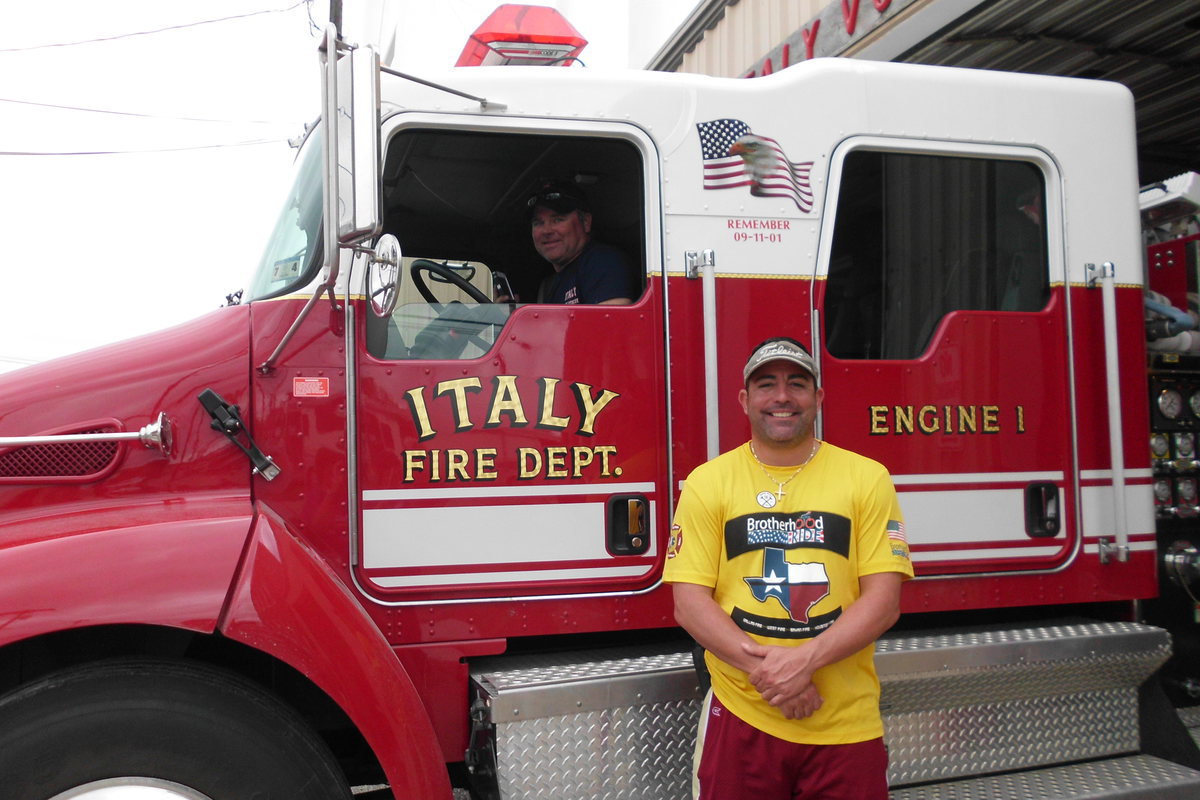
[796, 587]
[792, 579]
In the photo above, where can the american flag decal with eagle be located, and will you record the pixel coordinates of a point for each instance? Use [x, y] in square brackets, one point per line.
[733, 156]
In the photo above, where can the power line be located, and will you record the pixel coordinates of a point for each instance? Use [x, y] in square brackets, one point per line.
[155, 30]
[249, 143]
[143, 116]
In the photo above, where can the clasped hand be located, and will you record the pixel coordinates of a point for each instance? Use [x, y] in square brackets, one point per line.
[783, 681]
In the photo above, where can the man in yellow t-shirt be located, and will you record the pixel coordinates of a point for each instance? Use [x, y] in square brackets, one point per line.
[786, 559]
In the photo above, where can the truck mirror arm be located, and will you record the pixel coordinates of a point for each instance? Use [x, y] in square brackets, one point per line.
[227, 419]
[484, 103]
[327, 286]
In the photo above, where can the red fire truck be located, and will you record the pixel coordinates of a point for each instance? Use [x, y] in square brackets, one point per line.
[377, 525]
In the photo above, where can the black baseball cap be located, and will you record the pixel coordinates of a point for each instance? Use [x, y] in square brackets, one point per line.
[559, 196]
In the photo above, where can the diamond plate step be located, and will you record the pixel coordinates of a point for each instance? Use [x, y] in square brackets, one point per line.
[620, 724]
[970, 703]
[1128, 778]
[601, 725]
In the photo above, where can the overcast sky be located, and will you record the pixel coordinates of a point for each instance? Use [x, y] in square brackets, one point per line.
[143, 145]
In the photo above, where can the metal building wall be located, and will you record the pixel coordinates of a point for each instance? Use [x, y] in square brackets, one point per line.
[748, 29]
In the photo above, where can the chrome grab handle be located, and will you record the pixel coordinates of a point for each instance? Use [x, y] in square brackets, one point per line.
[157, 435]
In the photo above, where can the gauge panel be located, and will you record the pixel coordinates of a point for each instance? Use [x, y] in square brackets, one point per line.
[1170, 403]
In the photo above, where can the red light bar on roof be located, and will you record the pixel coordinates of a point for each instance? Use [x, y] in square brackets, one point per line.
[522, 35]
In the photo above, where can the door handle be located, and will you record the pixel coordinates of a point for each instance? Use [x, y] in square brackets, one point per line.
[1043, 511]
[628, 525]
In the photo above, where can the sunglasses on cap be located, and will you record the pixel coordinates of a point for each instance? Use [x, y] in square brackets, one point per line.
[555, 198]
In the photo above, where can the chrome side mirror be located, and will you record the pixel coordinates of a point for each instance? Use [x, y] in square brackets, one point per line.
[350, 115]
[358, 146]
[383, 275]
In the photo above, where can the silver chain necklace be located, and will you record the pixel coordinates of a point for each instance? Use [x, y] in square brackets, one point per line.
[779, 494]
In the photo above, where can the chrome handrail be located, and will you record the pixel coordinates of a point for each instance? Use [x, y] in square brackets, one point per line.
[157, 435]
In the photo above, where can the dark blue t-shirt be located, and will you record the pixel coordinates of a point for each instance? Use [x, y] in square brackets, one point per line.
[601, 272]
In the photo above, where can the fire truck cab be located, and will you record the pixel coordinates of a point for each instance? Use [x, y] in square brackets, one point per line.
[394, 520]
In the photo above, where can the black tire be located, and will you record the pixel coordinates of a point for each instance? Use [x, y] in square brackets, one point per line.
[207, 730]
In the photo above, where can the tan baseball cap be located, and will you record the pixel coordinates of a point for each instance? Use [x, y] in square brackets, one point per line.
[780, 349]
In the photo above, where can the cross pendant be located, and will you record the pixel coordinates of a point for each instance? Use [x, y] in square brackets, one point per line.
[779, 494]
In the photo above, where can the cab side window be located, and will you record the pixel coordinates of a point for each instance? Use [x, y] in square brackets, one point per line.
[920, 236]
[459, 201]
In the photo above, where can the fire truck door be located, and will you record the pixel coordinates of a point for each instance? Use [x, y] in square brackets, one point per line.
[943, 341]
[537, 469]
[512, 449]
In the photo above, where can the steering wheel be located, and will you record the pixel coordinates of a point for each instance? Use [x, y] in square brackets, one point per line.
[445, 273]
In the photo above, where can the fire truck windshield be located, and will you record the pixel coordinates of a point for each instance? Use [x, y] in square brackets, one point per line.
[292, 254]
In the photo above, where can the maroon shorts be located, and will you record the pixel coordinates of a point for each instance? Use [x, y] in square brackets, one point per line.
[739, 761]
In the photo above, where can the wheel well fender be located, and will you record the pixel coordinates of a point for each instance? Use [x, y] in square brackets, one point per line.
[168, 572]
[289, 603]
